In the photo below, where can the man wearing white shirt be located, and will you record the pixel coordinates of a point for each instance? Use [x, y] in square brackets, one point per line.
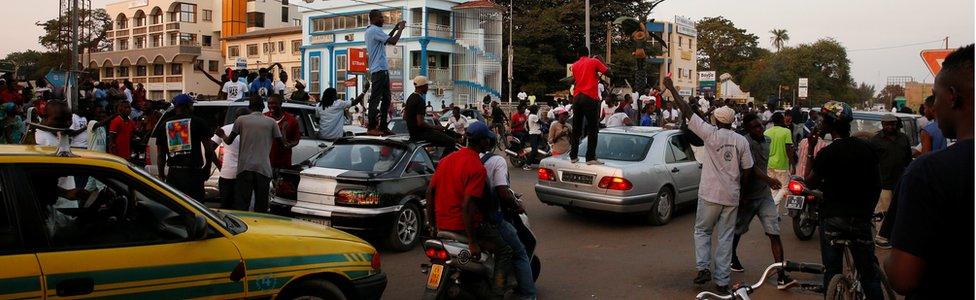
[670, 115]
[522, 96]
[234, 88]
[703, 105]
[228, 170]
[279, 85]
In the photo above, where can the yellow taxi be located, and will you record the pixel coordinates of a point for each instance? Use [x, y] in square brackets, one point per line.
[90, 225]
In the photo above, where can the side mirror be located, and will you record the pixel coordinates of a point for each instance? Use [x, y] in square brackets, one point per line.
[196, 227]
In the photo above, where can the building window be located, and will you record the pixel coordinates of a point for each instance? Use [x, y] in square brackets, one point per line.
[207, 15]
[352, 21]
[176, 69]
[140, 71]
[284, 14]
[109, 72]
[188, 13]
[123, 72]
[188, 39]
[252, 50]
[680, 41]
[265, 48]
[340, 77]
[158, 70]
[284, 2]
[122, 22]
[296, 73]
[212, 65]
[157, 40]
[140, 42]
[198, 66]
[123, 44]
[156, 17]
[140, 21]
[255, 19]
[281, 47]
[233, 51]
[315, 65]
[296, 46]
[680, 73]
[207, 41]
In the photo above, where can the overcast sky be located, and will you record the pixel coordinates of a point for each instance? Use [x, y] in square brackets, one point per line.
[857, 24]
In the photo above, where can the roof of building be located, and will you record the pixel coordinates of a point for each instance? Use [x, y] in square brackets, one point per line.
[265, 33]
[479, 4]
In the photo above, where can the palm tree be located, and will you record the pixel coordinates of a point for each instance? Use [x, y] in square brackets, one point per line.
[779, 38]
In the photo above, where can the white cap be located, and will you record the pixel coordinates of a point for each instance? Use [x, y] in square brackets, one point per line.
[725, 115]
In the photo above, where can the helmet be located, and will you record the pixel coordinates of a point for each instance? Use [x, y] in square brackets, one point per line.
[837, 111]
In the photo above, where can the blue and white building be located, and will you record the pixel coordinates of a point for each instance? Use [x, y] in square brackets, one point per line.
[456, 44]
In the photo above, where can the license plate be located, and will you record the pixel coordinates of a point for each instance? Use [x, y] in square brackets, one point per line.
[434, 277]
[578, 178]
[795, 202]
[319, 221]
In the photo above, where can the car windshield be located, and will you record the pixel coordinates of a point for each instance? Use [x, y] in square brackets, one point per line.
[371, 158]
[622, 147]
[864, 127]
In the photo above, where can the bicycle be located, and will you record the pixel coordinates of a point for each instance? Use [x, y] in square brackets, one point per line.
[847, 284]
[741, 292]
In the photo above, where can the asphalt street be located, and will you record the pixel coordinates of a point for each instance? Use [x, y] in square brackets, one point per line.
[594, 256]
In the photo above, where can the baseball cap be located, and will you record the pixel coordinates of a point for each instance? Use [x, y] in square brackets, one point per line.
[478, 130]
[182, 99]
[420, 81]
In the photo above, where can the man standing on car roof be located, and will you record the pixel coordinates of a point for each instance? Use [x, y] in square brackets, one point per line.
[376, 41]
[725, 167]
[456, 202]
[185, 148]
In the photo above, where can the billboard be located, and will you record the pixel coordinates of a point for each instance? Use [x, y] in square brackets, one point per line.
[706, 82]
[357, 61]
[394, 59]
[685, 26]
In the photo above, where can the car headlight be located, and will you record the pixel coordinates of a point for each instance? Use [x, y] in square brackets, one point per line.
[357, 197]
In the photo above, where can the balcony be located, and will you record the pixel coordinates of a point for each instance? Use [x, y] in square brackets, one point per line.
[156, 28]
[173, 26]
[122, 33]
[170, 54]
[433, 30]
[140, 30]
[439, 77]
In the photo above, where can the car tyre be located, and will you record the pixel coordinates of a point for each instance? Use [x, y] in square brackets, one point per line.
[663, 207]
[314, 289]
[405, 231]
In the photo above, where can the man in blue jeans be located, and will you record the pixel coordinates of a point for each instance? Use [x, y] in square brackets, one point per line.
[498, 183]
[379, 99]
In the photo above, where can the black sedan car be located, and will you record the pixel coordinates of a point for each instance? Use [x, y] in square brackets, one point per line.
[367, 185]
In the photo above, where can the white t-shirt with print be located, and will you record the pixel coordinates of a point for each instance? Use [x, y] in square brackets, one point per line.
[726, 155]
[235, 90]
[80, 140]
[533, 124]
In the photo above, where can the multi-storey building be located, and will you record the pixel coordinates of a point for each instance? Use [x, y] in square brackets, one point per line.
[456, 44]
[680, 59]
[263, 48]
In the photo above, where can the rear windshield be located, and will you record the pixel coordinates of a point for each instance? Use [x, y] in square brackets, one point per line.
[862, 127]
[370, 158]
[622, 147]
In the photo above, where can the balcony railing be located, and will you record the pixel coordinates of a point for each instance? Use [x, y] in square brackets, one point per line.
[433, 30]
[157, 79]
[156, 28]
[173, 26]
[172, 79]
[438, 77]
[140, 30]
[122, 32]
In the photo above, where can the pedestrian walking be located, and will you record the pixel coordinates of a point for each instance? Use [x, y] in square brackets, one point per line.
[185, 151]
[376, 41]
[757, 200]
[559, 132]
[586, 105]
[894, 152]
[725, 166]
[935, 196]
[780, 153]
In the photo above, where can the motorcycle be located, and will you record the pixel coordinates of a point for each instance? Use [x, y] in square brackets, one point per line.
[802, 204]
[518, 152]
[453, 273]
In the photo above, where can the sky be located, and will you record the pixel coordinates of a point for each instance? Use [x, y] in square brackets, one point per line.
[859, 25]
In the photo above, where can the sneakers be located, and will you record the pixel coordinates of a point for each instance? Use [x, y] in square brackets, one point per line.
[703, 276]
[594, 162]
[737, 266]
[785, 281]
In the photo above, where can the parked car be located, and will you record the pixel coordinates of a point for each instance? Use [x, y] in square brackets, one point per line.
[647, 170]
[399, 126]
[221, 113]
[119, 232]
[369, 185]
[472, 115]
[868, 123]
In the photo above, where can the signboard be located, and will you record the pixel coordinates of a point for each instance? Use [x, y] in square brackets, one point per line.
[394, 59]
[933, 59]
[352, 82]
[801, 90]
[138, 3]
[685, 26]
[357, 61]
[685, 92]
[706, 81]
[322, 39]
[241, 63]
[686, 54]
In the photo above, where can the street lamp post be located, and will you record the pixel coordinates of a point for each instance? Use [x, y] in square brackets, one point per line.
[588, 26]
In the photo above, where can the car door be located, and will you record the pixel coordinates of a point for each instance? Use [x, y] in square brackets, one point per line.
[20, 277]
[111, 235]
[685, 170]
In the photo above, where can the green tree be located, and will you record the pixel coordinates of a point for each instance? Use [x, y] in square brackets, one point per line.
[57, 32]
[889, 93]
[32, 64]
[779, 39]
[547, 30]
[864, 94]
[824, 63]
[724, 48]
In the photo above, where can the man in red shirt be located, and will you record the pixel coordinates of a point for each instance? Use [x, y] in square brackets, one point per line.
[456, 202]
[518, 123]
[120, 131]
[288, 124]
[586, 103]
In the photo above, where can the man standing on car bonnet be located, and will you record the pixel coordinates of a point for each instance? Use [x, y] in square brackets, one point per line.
[724, 167]
[376, 41]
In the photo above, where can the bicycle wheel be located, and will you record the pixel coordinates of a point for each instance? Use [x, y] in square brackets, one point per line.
[839, 288]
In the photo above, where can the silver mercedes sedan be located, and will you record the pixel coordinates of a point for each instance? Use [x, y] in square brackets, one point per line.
[647, 170]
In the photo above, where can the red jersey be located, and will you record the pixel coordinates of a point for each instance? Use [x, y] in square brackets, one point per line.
[458, 175]
[288, 124]
[518, 121]
[122, 129]
[585, 73]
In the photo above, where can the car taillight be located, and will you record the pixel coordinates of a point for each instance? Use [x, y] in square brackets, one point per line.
[438, 254]
[357, 197]
[615, 183]
[795, 187]
[375, 262]
[547, 174]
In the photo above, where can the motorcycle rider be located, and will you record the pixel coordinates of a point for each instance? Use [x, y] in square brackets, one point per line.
[499, 190]
[847, 173]
[457, 203]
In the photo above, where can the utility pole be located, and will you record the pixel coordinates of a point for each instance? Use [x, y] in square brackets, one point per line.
[588, 26]
[511, 51]
[609, 32]
[73, 71]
